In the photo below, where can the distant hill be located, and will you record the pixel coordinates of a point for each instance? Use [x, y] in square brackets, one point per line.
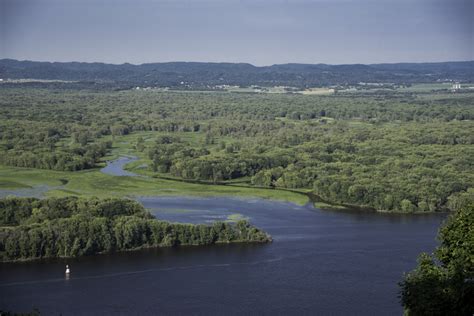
[202, 75]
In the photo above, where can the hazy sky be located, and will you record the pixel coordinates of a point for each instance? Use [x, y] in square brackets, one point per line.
[261, 32]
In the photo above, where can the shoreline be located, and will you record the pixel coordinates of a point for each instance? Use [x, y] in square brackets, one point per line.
[93, 182]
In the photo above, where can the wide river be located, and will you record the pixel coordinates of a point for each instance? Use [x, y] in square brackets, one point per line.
[320, 262]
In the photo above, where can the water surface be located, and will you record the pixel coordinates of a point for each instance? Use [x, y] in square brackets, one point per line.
[319, 263]
[37, 191]
[116, 167]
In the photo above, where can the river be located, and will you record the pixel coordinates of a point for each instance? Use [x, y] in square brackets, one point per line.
[116, 167]
[320, 262]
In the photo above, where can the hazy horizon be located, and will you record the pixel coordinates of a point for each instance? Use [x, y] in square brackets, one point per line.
[231, 62]
[261, 32]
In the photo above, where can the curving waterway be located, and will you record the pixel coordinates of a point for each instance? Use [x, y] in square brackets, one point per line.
[320, 262]
[116, 167]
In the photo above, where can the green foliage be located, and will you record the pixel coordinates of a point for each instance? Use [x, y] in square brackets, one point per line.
[43, 145]
[399, 152]
[446, 288]
[72, 227]
[17, 211]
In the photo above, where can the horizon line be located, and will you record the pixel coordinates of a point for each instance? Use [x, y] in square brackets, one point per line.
[236, 63]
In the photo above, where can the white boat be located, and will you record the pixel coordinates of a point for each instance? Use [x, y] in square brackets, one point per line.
[67, 269]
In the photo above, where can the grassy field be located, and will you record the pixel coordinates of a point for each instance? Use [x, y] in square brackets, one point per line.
[95, 183]
[92, 182]
[318, 91]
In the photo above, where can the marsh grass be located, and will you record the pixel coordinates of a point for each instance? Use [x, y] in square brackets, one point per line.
[95, 183]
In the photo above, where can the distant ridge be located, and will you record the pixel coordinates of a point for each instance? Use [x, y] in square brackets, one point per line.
[204, 74]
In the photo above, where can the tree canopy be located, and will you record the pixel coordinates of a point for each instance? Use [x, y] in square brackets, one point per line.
[70, 227]
[443, 283]
[405, 152]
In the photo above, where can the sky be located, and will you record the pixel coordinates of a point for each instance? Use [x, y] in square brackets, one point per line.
[260, 32]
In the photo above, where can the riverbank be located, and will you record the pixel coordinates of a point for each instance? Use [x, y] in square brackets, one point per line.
[33, 229]
[329, 262]
[137, 166]
[95, 183]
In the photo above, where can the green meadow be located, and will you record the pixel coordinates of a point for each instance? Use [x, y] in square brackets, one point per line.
[95, 183]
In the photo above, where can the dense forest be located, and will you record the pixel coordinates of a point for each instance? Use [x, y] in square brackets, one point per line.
[71, 227]
[37, 146]
[387, 151]
[192, 75]
[443, 283]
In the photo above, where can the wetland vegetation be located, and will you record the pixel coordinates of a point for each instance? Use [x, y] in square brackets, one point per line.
[148, 167]
[88, 153]
[401, 151]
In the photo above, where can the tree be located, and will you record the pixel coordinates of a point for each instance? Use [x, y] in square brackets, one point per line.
[407, 206]
[72, 227]
[446, 288]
